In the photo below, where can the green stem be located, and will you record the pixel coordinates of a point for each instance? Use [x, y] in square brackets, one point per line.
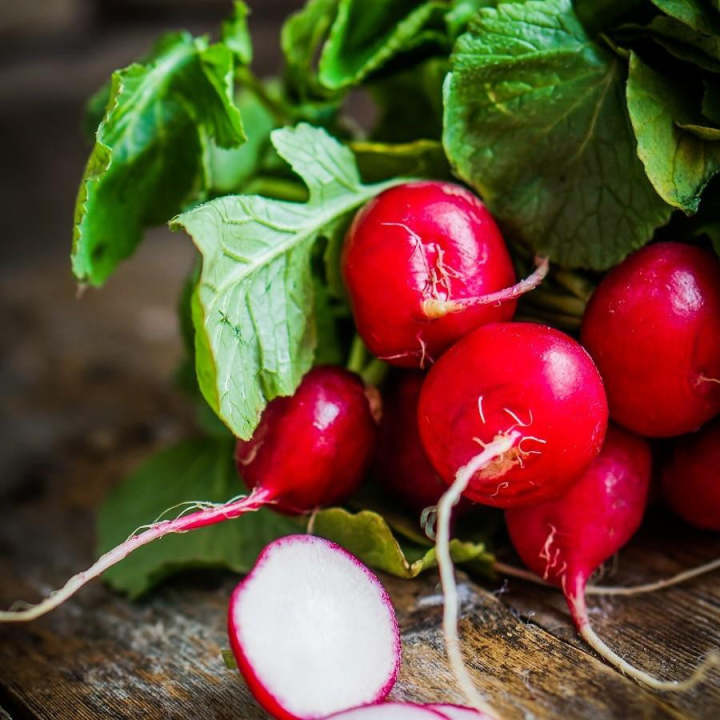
[277, 188]
[565, 304]
[375, 372]
[577, 285]
[358, 356]
[276, 107]
[570, 323]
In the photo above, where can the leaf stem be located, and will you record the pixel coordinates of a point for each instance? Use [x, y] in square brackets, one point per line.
[358, 356]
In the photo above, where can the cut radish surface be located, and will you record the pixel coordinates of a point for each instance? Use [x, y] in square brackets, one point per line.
[313, 630]
[390, 711]
[458, 712]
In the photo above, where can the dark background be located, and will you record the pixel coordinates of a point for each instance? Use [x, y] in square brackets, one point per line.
[53, 55]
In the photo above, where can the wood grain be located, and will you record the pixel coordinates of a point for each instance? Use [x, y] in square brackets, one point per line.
[86, 395]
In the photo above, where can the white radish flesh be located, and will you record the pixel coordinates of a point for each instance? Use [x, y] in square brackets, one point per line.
[313, 630]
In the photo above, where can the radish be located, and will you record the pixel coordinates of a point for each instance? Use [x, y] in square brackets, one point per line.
[309, 450]
[401, 465]
[565, 540]
[313, 630]
[424, 263]
[390, 711]
[508, 416]
[653, 328]
[457, 712]
[691, 480]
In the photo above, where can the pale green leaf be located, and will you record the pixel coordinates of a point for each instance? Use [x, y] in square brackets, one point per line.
[255, 327]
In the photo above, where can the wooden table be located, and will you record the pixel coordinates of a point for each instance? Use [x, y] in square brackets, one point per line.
[86, 394]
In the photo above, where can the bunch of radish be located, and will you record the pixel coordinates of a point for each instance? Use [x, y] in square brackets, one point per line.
[510, 414]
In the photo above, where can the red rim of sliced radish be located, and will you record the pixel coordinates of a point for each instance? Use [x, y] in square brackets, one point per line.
[345, 599]
[390, 711]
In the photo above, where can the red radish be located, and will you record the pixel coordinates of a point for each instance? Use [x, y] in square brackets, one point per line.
[527, 385]
[310, 449]
[390, 711]
[313, 630]
[458, 712]
[424, 263]
[691, 480]
[565, 540]
[508, 416]
[653, 328]
[401, 465]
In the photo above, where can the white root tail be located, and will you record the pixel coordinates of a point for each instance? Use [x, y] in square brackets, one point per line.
[681, 577]
[500, 445]
[576, 600]
[184, 523]
[436, 308]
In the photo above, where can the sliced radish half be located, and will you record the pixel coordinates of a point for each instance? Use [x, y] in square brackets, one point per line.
[313, 630]
[458, 712]
[390, 711]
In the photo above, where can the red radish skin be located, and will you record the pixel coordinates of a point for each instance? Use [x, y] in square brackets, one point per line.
[311, 449]
[419, 262]
[653, 328]
[514, 377]
[508, 416]
[691, 480]
[401, 465]
[313, 630]
[317, 455]
[565, 540]
[390, 711]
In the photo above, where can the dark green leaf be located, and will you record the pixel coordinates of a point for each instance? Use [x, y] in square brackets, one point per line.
[711, 100]
[678, 163]
[255, 327]
[687, 44]
[693, 13]
[194, 470]
[421, 158]
[535, 120]
[704, 132]
[600, 15]
[410, 103]
[235, 33]
[460, 14]
[368, 33]
[147, 159]
[367, 536]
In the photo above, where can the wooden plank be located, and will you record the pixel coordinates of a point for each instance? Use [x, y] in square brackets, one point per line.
[86, 395]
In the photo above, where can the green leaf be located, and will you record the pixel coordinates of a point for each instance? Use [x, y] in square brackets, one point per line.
[693, 13]
[461, 12]
[704, 132]
[678, 163]
[235, 33]
[227, 169]
[147, 159]
[410, 103]
[255, 328]
[367, 536]
[368, 33]
[421, 158]
[535, 120]
[599, 15]
[192, 470]
[687, 44]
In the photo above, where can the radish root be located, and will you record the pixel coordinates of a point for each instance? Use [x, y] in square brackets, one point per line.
[501, 444]
[437, 308]
[576, 599]
[681, 577]
[209, 515]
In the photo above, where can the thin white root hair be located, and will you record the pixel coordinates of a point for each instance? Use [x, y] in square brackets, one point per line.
[500, 445]
[711, 660]
[681, 577]
[209, 515]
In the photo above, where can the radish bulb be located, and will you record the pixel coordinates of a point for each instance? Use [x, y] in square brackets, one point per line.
[310, 449]
[691, 480]
[566, 539]
[424, 263]
[653, 328]
[313, 630]
[508, 416]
